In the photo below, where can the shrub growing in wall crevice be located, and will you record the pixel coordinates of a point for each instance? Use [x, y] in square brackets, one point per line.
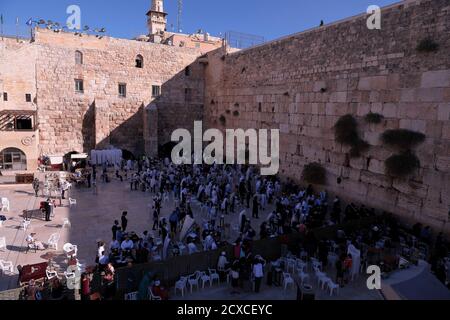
[314, 173]
[402, 139]
[346, 133]
[402, 165]
[236, 113]
[427, 45]
[374, 118]
[222, 120]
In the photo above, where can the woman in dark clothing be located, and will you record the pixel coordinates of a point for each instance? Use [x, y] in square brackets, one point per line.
[340, 271]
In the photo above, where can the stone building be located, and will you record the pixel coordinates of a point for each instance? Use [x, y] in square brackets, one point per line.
[64, 93]
[88, 92]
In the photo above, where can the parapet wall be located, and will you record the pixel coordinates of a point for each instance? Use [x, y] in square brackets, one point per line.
[304, 83]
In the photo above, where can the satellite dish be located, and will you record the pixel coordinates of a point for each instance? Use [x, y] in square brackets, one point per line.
[102, 30]
[41, 21]
[49, 22]
[57, 24]
[86, 28]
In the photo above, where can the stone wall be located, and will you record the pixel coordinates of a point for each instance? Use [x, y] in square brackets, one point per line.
[18, 78]
[279, 85]
[98, 117]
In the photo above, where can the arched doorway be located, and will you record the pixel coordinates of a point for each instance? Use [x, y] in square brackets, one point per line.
[13, 159]
[127, 155]
[165, 151]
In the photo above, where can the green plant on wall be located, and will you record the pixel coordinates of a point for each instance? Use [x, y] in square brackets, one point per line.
[222, 120]
[314, 173]
[402, 139]
[346, 133]
[427, 45]
[375, 118]
[402, 165]
[405, 162]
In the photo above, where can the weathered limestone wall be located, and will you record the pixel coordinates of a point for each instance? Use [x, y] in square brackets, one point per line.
[70, 121]
[278, 85]
[17, 78]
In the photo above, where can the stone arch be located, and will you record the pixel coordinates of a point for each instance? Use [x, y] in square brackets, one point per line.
[128, 155]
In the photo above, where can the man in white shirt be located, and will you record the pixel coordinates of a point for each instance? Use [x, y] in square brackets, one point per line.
[258, 273]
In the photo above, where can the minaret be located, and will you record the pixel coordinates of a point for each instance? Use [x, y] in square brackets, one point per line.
[157, 18]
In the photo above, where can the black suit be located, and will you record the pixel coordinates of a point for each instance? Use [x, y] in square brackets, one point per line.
[124, 223]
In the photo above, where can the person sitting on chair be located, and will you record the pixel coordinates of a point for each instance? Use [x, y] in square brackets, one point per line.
[33, 243]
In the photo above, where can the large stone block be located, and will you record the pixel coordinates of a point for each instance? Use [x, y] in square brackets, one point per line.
[436, 79]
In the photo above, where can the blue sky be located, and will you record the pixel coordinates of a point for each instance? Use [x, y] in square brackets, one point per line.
[126, 19]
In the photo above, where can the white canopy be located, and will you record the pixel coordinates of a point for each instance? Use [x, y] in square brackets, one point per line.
[112, 156]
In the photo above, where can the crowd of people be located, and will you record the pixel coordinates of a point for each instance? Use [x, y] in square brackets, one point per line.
[213, 204]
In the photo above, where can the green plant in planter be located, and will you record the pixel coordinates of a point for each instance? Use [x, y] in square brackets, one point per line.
[402, 139]
[401, 165]
[427, 45]
[314, 173]
[375, 118]
[222, 120]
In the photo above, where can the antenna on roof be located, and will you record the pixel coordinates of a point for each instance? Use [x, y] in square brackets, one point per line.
[180, 11]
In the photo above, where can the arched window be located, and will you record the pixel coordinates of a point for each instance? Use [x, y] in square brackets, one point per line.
[13, 159]
[78, 57]
[139, 61]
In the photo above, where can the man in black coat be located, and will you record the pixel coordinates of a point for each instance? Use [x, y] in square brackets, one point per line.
[124, 221]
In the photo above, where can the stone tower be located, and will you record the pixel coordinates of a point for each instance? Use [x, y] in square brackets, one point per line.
[156, 18]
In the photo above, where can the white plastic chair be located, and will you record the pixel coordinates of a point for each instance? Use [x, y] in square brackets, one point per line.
[6, 266]
[181, 285]
[70, 250]
[132, 296]
[323, 281]
[194, 279]
[25, 224]
[70, 276]
[2, 242]
[5, 204]
[228, 273]
[303, 276]
[72, 202]
[287, 280]
[152, 296]
[66, 223]
[213, 275]
[53, 241]
[333, 286]
[51, 274]
[205, 279]
[290, 265]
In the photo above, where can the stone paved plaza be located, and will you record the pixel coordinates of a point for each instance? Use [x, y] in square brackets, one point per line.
[91, 220]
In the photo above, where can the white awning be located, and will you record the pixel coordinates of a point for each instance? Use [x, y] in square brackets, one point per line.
[56, 159]
[79, 156]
